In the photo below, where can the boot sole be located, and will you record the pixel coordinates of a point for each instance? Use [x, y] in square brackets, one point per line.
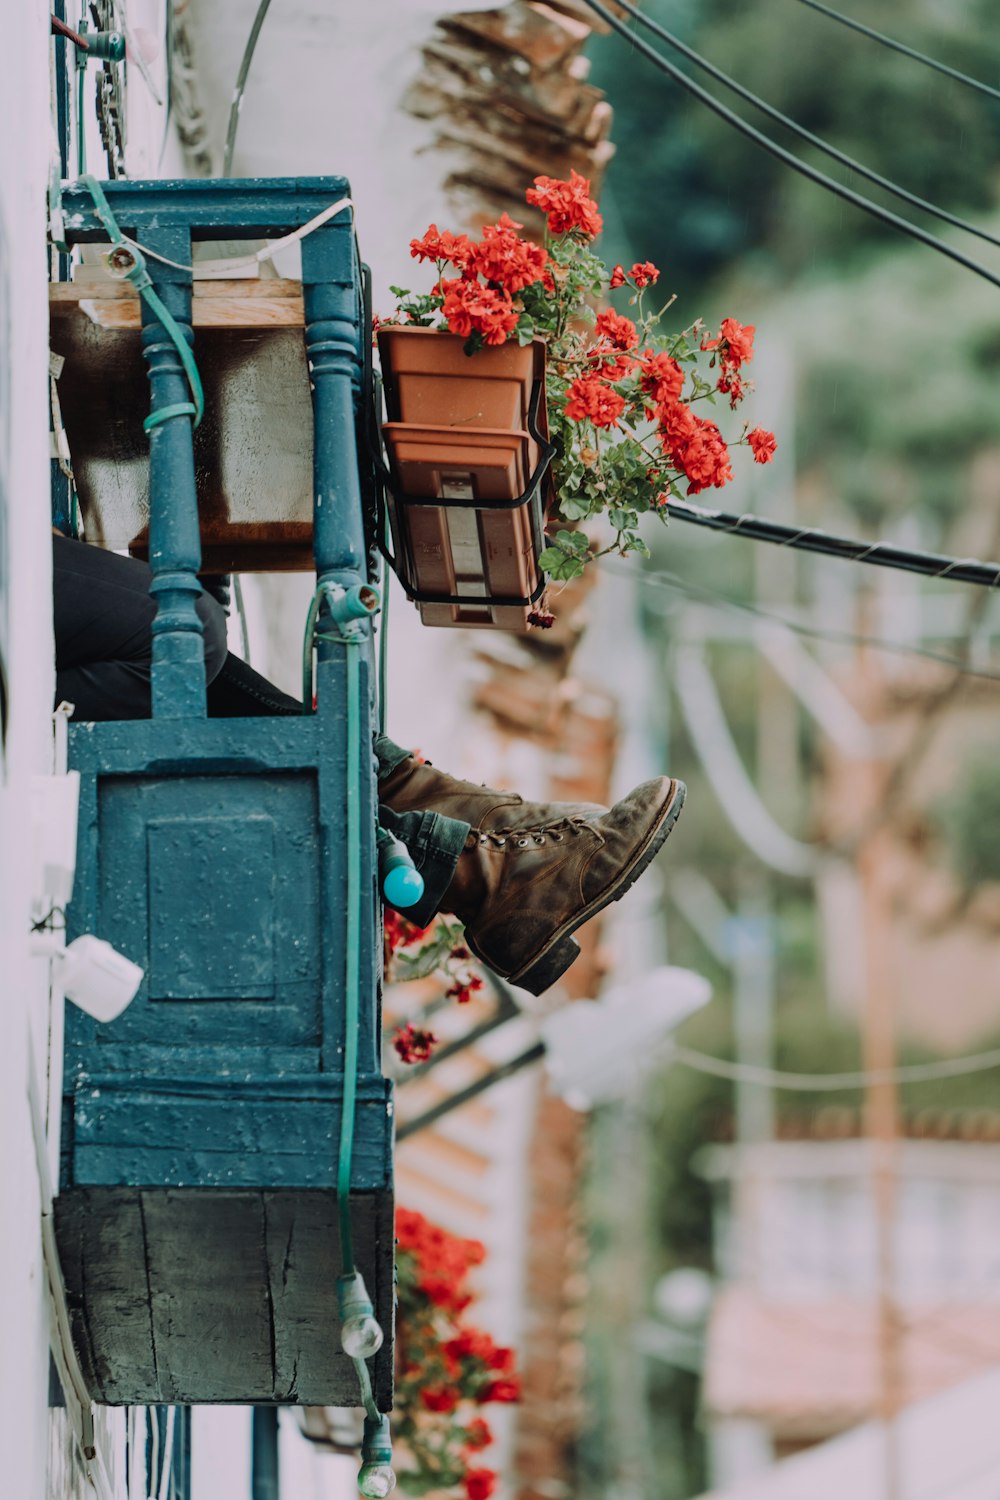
[563, 949]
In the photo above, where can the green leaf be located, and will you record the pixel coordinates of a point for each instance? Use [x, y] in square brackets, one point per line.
[573, 541]
[574, 507]
[559, 565]
[620, 519]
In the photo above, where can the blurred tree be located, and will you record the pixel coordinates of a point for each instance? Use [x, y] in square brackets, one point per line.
[720, 198]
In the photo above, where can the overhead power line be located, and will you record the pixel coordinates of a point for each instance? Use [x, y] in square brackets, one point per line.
[867, 206]
[241, 83]
[888, 41]
[800, 130]
[663, 578]
[812, 539]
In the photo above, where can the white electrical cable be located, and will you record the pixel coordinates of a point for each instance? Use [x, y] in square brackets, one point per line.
[720, 1067]
[168, 1454]
[219, 268]
[706, 723]
[153, 1437]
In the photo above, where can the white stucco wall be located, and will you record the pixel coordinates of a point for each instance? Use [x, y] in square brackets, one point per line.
[24, 473]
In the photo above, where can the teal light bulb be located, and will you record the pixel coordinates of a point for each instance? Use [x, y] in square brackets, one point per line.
[403, 886]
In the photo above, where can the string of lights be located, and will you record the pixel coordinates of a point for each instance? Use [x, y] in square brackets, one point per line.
[788, 123]
[822, 179]
[911, 52]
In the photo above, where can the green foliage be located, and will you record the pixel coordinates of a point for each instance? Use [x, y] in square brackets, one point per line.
[721, 197]
[970, 823]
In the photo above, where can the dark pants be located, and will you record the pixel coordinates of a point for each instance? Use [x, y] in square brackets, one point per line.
[103, 614]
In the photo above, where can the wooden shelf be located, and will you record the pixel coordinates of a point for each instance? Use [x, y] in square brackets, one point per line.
[242, 303]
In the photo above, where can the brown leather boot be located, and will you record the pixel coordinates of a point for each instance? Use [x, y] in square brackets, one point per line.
[417, 786]
[522, 892]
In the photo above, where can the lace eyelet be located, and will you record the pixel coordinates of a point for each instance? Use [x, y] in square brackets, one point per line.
[522, 843]
[556, 835]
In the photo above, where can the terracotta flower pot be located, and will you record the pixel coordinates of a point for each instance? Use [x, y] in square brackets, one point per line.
[468, 449]
[430, 379]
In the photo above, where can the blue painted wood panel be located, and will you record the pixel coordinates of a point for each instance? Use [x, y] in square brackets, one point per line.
[197, 1217]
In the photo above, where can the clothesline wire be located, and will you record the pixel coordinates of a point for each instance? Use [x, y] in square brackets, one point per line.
[911, 52]
[787, 157]
[662, 578]
[813, 539]
[788, 123]
[737, 1072]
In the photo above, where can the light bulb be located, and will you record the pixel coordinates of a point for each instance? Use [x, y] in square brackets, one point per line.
[376, 1480]
[361, 1337]
[360, 1334]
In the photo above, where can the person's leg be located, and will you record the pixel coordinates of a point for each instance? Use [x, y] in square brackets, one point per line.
[238, 692]
[103, 613]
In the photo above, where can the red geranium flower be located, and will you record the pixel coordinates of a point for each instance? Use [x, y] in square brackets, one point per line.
[662, 377]
[413, 1044]
[567, 205]
[440, 1397]
[697, 448]
[508, 1389]
[504, 257]
[619, 331]
[463, 989]
[480, 1483]
[439, 245]
[732, 385]
[478, 1434]
[471, 308]
[618, 277]
[763, 444]
[734, 343]
[588, 398]
[644, 273]
[399, 932]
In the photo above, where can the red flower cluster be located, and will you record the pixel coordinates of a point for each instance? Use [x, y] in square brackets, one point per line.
[471, 308]
[505, 262]
[399, 933]
[441, 245]
[615, 336]
[473, 1344]
[763, 443]
[662, 377]
[735, 346]
[413, 1044]
[464, 987]
[503, 256]
[696, 446]
[478, 1434]
[588, 398]
[446, 1371]
[568, 206]
[542, 619]
[440, 1397]
[442, 1260]
[642, 274]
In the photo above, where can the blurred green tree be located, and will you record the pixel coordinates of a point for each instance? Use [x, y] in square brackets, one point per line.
[719, 198]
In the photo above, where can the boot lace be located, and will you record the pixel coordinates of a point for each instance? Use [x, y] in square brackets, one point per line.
[525, 838]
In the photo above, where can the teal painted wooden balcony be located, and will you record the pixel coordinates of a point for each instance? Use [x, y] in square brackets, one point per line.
[198, 1219]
